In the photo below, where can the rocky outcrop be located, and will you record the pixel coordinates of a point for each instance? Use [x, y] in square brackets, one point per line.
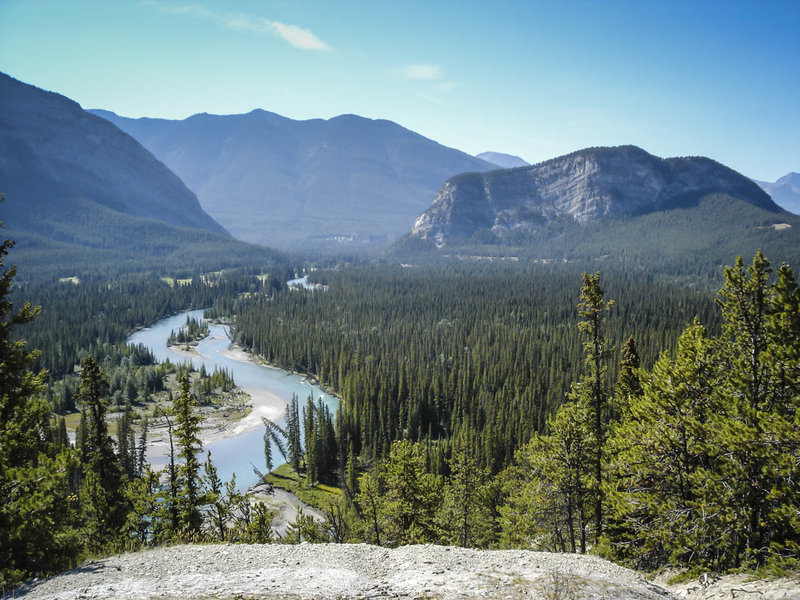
[361, 572]
[345, 571]
[583, 186]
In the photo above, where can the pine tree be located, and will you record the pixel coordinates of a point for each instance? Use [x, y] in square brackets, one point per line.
[35, 512]
[187, 429]
[142, 496]
[103, 503]
[592, 389]
[760, 437]
[466, 512]
[549, 488]
[166, 521]
[412, 496]
[371, 502]
[662, 453]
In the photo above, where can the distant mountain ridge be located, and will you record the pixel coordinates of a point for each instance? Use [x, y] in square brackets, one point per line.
[585, 185]
[785, 191]
[504, 161]
[80, 193]
[276, 181]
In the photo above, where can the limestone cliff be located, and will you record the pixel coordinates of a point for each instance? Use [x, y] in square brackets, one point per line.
[586, 185]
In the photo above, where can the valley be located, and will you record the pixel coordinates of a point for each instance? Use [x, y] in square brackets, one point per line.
[288, 329]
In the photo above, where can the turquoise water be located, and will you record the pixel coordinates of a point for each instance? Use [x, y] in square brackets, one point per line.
[236, 454]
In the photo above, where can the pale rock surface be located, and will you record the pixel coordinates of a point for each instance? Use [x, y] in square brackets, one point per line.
[583, 186]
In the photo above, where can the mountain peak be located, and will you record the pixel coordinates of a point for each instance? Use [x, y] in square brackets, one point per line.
[785, 191]
[504, 161]
[586, 185]
[287, 183]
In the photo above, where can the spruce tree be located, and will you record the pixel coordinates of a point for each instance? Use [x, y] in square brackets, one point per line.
[218, 503]
[760, 437]
[187, 430]
[35, 512]
[661, 458]
[592, 389]
[466, 512]
[293, 442]
[101, 490]
[628, 384]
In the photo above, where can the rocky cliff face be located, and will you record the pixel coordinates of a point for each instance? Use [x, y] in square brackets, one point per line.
[583, 186]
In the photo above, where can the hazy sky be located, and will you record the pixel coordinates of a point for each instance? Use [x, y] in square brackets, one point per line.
[535, 79]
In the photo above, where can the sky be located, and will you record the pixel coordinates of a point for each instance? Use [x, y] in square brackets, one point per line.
[537, 79]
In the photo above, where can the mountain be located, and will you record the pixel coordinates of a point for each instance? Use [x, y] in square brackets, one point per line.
[81, 193]
[504, 161]
[599, 203]
[273, 180]
[785, 191]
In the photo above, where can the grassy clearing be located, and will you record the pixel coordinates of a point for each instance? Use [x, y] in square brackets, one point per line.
[71, 420]
[320, 495]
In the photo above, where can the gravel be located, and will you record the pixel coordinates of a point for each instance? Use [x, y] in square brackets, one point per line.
[360, 571]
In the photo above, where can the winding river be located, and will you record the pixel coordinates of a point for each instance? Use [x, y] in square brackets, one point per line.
[245, 447]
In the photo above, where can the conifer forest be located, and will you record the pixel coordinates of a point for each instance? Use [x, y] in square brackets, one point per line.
[650, 420]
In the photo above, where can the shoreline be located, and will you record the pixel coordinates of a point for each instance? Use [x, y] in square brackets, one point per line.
[239, 354]
[261, 403]
[240, 414]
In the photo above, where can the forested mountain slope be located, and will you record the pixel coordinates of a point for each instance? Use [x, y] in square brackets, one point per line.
[80, 193]
[285, 183]
[619, 203]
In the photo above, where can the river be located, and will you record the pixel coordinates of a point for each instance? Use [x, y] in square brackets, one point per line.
[245, 447]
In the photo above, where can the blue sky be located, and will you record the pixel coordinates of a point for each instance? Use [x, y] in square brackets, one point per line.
[535, 79]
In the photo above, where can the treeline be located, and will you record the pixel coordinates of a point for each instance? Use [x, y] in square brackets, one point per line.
[79, 318]
[669, 242]
[442, 352]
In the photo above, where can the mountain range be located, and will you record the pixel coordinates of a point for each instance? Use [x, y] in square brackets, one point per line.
[607, 202]
[298, 184]
[785, 191]
[80, 193]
